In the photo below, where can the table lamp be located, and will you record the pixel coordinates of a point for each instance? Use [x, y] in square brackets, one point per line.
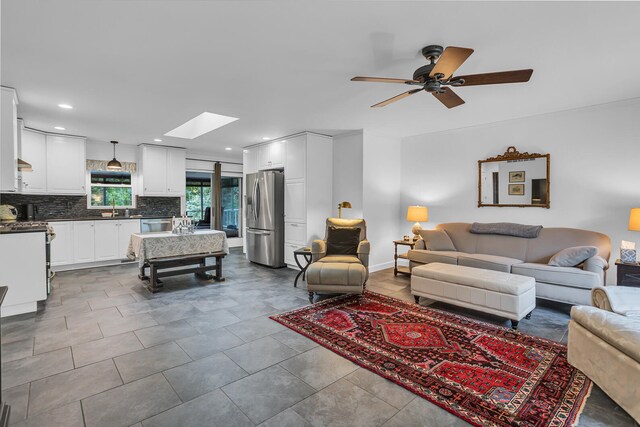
[634, 219]
[346, 205]
[418, 214]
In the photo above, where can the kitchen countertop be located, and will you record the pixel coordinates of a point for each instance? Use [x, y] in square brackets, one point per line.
[100, 218]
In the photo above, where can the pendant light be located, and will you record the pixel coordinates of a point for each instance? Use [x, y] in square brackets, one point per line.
[114, 165]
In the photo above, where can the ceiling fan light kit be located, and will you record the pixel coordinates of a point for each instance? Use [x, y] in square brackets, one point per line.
[438, 74]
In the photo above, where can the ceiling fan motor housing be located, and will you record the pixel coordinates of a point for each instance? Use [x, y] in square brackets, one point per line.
[422, 73]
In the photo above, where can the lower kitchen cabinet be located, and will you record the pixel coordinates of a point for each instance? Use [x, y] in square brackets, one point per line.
[106, 240]
[84, 241]
[126, 227]
[80, 242]
[62, 244]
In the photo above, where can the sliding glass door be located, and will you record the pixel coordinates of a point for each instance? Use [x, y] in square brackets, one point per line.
[199, 202]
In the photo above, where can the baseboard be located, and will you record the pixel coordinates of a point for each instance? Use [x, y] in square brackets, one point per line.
[378, 267]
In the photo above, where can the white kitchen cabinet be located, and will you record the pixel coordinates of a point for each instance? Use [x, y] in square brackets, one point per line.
[250, 160]
[84, 241]
[8, 140]
[295, 157]
[308, 190]
[23, 271]
[107, 245]
[271, 155]
[294, 201]
[66, 165]
[126, 227]
[62, 252]
[162, 171]
[176, 172]
[34, 152]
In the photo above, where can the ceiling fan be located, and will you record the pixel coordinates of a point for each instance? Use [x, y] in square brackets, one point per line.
[435, 77]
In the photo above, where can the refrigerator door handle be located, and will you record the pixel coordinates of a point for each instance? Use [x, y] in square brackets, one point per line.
[258, 195]
[259, 232]
[253, 200]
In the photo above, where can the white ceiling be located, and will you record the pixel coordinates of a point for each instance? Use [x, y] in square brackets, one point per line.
[136, 69]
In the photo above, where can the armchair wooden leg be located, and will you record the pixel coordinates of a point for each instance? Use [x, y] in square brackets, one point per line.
[417, 298]
[311, 297]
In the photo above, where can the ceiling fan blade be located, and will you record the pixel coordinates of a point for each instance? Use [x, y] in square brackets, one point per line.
[448, 98]
[518, 76]
[450, 60]
[384, 80]
[396, 98]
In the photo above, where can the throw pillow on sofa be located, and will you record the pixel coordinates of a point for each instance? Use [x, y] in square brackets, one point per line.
[570, 257]
[343, 240]
[437, 240]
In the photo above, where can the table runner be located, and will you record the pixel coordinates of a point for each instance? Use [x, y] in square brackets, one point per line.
[166, 244]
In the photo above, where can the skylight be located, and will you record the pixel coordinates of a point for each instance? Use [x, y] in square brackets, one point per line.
[199, 125]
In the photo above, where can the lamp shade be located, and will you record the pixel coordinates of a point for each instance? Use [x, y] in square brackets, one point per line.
[634, 219]
[417, 214]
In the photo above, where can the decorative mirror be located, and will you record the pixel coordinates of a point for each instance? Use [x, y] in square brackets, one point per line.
[514, 179]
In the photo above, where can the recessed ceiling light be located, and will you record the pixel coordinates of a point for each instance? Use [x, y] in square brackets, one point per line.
[199, 125]
[157, 140]
[228, 148]
[66, 106]
[59, 128]
[266, 138]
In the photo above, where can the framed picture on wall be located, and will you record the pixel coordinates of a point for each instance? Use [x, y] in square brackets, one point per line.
[516, 189]
[516, 176]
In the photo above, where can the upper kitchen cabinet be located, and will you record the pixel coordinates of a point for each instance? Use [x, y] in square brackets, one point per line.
[250, 160]
[66, 164]
[271, 155]
[8, 140]
[176, 172]
[295, 157]
[34, 148]
[162, 171]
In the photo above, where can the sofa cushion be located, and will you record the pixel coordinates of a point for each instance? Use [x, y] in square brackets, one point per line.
[342, 259]
[619, 331]
[437, 240]
[489, 262]
[570, 257]
[567, 276]
[424, 256]
[495, 281]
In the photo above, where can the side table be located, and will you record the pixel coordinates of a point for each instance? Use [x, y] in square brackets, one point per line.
[628, 274]
[305, 253]
[396, 269]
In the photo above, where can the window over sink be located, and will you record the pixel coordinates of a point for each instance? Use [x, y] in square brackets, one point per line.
[111, 188]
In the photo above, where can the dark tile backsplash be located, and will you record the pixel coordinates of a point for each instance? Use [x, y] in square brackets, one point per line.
[62, 207]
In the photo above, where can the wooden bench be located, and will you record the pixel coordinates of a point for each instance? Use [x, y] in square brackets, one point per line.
[158, 267]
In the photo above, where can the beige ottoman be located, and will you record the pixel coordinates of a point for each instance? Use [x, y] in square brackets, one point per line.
[503, 294]
[336, 277]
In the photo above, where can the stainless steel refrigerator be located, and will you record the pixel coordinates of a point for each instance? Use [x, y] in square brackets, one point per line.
[265, 218]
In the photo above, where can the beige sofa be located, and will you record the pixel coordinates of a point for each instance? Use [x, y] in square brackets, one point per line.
[605, 344]
[526, 257]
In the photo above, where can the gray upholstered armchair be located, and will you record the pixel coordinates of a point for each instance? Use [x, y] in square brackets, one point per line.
[339, 273]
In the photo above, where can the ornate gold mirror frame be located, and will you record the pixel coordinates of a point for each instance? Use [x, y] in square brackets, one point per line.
[518, 181]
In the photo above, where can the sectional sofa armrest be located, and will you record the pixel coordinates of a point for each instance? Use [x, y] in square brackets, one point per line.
[420, 244]
[364, 248]
[619, 331]
[318, 250]
[598, 265]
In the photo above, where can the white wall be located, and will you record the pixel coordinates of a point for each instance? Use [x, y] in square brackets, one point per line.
[382, 168]
[594, 179]
[347, 173]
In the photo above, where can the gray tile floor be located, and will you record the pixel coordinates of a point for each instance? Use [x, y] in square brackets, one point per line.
[105, 352]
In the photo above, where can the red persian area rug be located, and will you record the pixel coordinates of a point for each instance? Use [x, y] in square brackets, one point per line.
[485, 374]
